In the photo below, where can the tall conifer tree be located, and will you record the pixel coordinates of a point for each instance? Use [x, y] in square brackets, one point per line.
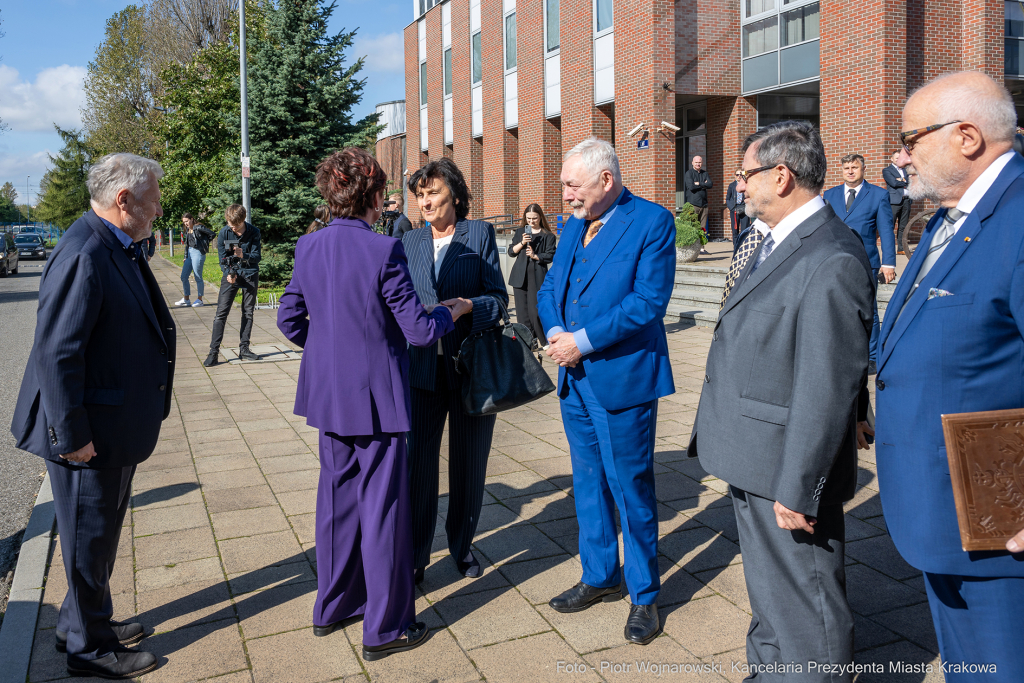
[66, 196]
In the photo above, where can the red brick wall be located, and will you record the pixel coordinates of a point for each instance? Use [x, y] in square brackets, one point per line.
[412, 110]
[501, 160]
[580, 118]
[707, 47]
[435, 84]
[730, 121]
[983, 34]
[388, 152]
[463, 147]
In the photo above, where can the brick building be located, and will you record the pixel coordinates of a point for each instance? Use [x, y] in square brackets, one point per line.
[504, 87]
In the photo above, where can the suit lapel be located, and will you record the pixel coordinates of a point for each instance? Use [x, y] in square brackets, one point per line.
[570, 241]
[461, 236]
[609, 235]
[426, 260]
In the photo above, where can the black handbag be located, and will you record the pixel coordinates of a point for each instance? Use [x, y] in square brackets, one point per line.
[499, 370]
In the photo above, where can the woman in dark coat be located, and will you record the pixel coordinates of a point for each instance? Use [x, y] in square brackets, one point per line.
[352, 307]
[451, 257]
[533, 245]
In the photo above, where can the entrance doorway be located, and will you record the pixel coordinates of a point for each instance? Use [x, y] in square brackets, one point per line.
[691, 141]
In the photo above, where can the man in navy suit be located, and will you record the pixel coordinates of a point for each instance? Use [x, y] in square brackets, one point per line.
[602, 304]
[865, 208]
[897, 182]
[96, 388]
[953, 342]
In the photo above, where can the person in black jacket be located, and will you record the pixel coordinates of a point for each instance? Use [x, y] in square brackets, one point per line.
[533, 245]
[736, 201]
[197, 240]
[402, 223]
[96, 388]
[696, 183]
[241, 271]
[898, 183]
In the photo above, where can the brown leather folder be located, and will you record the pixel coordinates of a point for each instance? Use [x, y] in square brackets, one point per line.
[986, 464]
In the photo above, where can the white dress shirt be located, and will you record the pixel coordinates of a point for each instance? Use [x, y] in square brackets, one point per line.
[790, 222]
[903, 175]
[980, 186]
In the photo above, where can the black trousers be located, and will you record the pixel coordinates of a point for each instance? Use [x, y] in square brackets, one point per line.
[902, 213]
[469, 443]
[526, 304]
[225, 299]
[90, 506]
[739, 224]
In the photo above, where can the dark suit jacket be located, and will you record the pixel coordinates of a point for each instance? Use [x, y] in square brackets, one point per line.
[470, 270]
[355, 285]
[948, 354]
[102, 362]
[731, 196]
[787, 361]
[895, 183]
[543, 245]
[870, 217]
[402, 226]
[695, 186]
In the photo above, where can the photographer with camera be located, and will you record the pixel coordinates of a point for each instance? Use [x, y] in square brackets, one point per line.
[238, 246]
[394, 210]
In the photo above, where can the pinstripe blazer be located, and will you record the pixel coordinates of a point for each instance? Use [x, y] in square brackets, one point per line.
[470, 270]
[102, 361]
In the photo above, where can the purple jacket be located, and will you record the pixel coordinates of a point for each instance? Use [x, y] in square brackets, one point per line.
[351, 306]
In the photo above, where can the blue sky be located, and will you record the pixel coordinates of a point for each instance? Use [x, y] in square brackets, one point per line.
[49, 42]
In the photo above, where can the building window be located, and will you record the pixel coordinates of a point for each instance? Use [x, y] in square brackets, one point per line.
[448, 72]
[603, 14]
[761, 36]
[478, 63]
[423, 83]
[754, 7]
[552, 37]
[800, 24]
[774, 108]
[510, 41]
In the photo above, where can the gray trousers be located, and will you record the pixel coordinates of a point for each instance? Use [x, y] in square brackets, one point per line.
[797, 587]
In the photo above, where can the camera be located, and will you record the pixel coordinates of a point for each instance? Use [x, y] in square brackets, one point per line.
[230, 260]
[386, 224]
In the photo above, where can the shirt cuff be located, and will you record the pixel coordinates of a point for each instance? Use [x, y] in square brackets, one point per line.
[555, 330]
[582, 342]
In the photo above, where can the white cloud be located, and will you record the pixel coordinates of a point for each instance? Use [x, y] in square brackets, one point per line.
[55, 97]
[16, 167]
[385, 53]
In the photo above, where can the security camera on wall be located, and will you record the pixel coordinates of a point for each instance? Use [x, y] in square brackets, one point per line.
[670, 127]
[636, 130]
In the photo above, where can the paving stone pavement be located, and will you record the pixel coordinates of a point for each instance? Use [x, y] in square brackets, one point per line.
[217, 557]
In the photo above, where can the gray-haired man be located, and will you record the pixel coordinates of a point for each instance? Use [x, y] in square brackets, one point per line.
[96, 388]
[777, 413]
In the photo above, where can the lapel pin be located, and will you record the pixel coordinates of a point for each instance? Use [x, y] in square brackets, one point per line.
[967, 239]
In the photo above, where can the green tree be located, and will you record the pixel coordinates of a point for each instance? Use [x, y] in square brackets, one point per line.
[301, 93]
[8, 192]
[64, 196]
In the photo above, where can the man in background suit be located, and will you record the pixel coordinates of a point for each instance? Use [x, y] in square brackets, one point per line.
[865, 209]
[899, 197]
[402, 223]
[96, 388]
[696, 183]
[602, 304]
[734, 199]
[777, 414]
[953, 342]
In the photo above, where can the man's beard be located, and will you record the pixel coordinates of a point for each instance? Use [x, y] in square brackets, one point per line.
[750, 207]
[578, 210]
[935, 188]
[136, 226]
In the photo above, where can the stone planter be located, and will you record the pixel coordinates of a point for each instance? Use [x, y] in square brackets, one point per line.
[688, 254]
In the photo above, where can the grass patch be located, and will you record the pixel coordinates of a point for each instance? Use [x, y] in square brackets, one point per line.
[210, 275]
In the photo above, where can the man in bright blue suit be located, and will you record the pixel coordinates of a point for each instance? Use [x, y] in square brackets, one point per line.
[602, 305]
[865, 209]
[953, 342]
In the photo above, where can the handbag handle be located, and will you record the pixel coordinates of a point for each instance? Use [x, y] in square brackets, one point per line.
[505, 319]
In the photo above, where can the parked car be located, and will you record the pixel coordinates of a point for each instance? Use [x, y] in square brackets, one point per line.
[8, 255]
[30, 245]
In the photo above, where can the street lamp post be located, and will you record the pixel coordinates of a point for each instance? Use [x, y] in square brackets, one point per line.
[28, 208]
[246, 197]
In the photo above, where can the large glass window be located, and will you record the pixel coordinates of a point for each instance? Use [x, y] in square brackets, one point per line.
[800, 24]
[755, 7]
[510, 41]
[552, 39]
[423, 83]
[774, 108]
[478, 63]
[603, 10]
[1014, 19]
[448, 72]
[761, 36]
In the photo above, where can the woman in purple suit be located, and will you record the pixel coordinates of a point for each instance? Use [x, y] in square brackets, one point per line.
[352, 306]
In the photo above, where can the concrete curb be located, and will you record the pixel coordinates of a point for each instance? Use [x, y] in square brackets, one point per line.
[19, 626]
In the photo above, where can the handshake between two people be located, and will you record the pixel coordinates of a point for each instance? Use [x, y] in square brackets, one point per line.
[458, 307]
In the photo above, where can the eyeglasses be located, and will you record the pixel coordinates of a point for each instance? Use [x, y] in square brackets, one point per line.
[909, 146]
[747, 175]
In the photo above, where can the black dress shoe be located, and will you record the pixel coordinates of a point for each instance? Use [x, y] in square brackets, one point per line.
[321, 631]
[119, 664]
[643, 624]
[413, 637]
[211, 359]
[127, 632]
[245, 354]
[469, 567]
[417, 575]
[581, 596]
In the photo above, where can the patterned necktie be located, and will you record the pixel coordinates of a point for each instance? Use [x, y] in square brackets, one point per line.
[739, 260]
[592, 231]
[942, 237]
[850, 198]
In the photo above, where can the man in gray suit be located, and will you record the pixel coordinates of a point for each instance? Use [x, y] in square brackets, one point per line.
[777, 413]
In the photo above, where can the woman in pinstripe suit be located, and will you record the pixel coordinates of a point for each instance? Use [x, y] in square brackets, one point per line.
[452, 258]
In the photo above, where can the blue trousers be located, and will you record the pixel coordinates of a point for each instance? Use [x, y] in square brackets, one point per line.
[194, 260]
[873, 341]
[613, 466]
[978, 621]
[90, 506]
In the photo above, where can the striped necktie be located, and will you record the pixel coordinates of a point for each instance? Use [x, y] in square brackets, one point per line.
[739, 260]
[940, 239]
